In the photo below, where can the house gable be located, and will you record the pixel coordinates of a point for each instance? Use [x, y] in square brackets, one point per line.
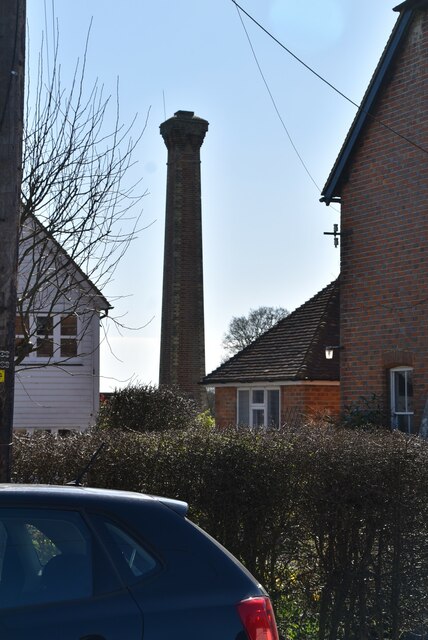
[58, 311]
[45, 269]
[384, 237]
[367, 111]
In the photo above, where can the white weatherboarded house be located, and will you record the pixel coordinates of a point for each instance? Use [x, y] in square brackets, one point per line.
[57, 337]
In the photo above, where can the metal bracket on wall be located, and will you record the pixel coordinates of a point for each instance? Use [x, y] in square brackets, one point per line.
[335, 233]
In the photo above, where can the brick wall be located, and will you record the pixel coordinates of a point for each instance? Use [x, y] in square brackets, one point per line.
[225, 406]
[308, 401]
[296, 401]
[321, 400]
[384, 243]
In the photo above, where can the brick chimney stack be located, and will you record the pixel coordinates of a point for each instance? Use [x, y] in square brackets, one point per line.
[182, 357]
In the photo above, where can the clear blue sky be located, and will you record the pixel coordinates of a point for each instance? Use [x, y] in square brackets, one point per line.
[263, 223]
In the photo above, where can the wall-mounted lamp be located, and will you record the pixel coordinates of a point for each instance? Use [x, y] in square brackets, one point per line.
[329, 351]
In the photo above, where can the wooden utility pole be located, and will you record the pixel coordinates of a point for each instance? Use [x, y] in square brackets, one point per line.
[12, 61]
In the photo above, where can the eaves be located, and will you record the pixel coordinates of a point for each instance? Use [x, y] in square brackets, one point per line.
[332, 188]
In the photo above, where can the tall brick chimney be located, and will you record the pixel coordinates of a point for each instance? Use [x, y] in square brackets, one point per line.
[182, 357]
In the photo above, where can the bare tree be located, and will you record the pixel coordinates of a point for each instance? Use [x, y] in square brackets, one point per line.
[245, 329]
[78, 216]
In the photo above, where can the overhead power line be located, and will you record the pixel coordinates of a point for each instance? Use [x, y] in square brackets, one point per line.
[329, 84]
[320, 77]
[274, 103]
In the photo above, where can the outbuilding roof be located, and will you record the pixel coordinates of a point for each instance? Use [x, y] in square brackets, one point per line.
[333, 186]
[294, 349]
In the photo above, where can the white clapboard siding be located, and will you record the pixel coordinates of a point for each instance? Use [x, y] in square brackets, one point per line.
[60, 397]
[64, 396]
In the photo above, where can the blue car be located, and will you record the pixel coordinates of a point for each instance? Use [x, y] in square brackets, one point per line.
[91, 564]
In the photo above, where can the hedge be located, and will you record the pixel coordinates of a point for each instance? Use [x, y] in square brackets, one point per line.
[145, 407]
[333, 522]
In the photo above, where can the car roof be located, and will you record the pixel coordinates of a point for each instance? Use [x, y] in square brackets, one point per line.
[70, 495]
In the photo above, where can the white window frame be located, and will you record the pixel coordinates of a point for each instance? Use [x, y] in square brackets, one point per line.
[56, 339]
[407, 412]
[254, 406]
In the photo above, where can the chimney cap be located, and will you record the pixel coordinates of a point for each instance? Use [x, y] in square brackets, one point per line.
[185, 115]
[186, 122]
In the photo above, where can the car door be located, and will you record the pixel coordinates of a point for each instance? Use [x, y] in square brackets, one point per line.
[57, 584]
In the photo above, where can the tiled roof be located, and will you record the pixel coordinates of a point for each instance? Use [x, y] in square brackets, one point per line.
[294, 349]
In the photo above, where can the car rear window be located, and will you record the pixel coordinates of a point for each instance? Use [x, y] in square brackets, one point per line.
[129, 555]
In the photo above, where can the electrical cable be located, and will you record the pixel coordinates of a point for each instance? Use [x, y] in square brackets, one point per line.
[275, 105]
[47, 38]
[278, 113]
[329, 84]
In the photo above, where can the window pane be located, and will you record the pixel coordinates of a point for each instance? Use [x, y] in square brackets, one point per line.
[44, 325]
[21, 325]
[403, 390]
[258, 417]
[68, 347]
[258, 396]
[409, 390]
[400, 391]
[273, 408]
[44, 557]
[3, 540]
[403, 422]
[402, 399]
[137, 559]
[44, 348]
[44, 547]
[69, 325]
[243, 406]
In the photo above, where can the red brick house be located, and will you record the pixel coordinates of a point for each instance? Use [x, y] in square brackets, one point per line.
[380, 179]
[284, 374]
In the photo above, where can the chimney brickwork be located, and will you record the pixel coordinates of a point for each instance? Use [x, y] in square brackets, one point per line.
[182, 358]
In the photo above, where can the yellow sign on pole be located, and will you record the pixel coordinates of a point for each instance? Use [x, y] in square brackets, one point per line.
[2, 372]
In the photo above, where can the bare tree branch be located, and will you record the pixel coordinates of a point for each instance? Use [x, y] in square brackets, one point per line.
[79, 211]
